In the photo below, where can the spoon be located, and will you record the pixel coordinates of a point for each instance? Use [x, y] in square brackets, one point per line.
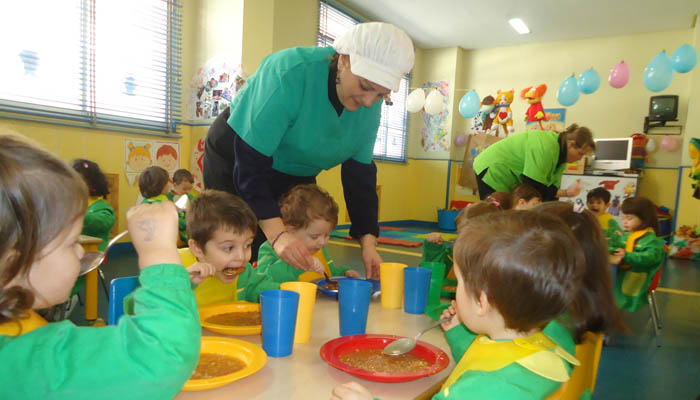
[404, 345]
[93, 259]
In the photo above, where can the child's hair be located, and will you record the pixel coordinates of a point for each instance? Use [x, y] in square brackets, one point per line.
[599, 193]
[40, 196]
[502, 200]
[152, 181]
[594, 308]
[304, 203]
[528, 264]
[182, 175]
[92, 174]
[644, 209]
[525, 192]
[215, 209]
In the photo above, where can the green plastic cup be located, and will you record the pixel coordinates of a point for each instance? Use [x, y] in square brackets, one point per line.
[436, 278]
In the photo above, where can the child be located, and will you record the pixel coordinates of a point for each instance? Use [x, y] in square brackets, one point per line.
[640, 253]
[516, 272]
[154, 183]
[310, 214]
[526, 197]
[99, 217]
[149, 355]
[598, 201]
[183, 182]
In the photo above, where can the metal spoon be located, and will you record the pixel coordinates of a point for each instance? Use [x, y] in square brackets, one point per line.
[404, 345]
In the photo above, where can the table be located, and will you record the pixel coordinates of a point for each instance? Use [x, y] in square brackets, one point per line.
[90, 243]
[304, 374]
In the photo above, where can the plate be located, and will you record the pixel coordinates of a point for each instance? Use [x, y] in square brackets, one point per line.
[253, 356]
[223, 308]
[333, 349]
[334, 293]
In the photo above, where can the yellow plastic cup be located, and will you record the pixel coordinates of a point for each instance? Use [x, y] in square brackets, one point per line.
[391, 278]
[305, 310]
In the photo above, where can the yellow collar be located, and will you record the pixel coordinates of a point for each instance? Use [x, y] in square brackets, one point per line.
[23, 325]
[634, 236]
[94, 199]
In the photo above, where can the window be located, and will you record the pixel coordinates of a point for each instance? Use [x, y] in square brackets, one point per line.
[107, 62]
[391, 136]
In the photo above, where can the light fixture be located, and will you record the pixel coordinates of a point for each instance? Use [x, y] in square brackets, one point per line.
[519, 26]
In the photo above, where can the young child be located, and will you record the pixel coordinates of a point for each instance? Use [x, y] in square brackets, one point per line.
[183, 182]
[154, 184]
[99, 218]
[598, 201]
[149, 355]
[310, 214]
[640, 253]
[526, 197]
[516, 272]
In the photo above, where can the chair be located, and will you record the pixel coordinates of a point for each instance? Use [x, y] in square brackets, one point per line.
[584, 375]
[653, 309]
[118, 289]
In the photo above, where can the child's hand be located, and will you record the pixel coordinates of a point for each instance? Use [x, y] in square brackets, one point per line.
[617, 257]
[200, 271]
[351, 273]
[351, 391]
[153, 231]
[450, 312]
[434, 237]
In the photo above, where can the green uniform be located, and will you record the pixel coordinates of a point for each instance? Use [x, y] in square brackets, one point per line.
[146, 356]
[99, 220]
[271, 264]
[534, 154]
[181, 221]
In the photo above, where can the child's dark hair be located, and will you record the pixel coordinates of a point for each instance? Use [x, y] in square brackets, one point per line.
[182, 175]
[40, 197]
[304, 203]
[502, 200]
[525, 192]
[528, 264]
[215, 209]
[644, 209]
[93, 176]
[152, 181]
[599, 193]
[594, 307]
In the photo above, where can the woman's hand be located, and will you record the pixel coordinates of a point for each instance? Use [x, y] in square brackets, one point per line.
[200, 271]
[370, 257]
[574, 190]
[351, 273]
[153, 231]
[434, 237]
[450, 312]
[292, 251]
[351, 391]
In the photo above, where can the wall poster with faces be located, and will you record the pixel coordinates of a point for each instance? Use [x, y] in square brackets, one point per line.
[141, 154]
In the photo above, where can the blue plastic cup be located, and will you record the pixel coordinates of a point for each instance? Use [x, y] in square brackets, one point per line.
[278, 310]
[416, 285]
[353, 305]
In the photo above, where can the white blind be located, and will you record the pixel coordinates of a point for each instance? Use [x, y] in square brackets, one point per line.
[391, 135]
[112, 62]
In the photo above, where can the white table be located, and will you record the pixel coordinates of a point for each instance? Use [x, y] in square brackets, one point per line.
[304, 374]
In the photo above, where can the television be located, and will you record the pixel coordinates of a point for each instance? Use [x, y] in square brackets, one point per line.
[612, 154]
[663, 108]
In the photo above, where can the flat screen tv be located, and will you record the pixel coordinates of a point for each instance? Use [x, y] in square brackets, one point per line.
[663, 108]
[612, 154]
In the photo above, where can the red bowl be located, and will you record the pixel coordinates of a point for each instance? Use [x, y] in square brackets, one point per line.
[333, 349]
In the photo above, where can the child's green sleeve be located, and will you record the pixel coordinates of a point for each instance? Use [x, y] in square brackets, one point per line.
[254, 282]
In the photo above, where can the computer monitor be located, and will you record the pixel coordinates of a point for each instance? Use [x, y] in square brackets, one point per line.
[612, 154]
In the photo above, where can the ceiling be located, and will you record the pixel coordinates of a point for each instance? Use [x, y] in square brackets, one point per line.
[472, 24]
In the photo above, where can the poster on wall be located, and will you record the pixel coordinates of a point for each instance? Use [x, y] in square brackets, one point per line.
[434, 135]
[213, 87]
[167, 156]
[555, 121]
[619, 187]
[141, 154]
[196, 165]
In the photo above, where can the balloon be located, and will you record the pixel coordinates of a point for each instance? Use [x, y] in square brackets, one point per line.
[651, 145]
[619, 75]
[433, 103]
[659, 73]
[461, 140]
[669, 143]
[469, 105]
[415, 100]
[568, 92]
[589, 81]
[684, 59]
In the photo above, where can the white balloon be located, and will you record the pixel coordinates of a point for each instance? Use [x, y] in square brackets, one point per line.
[433, 103]
[415, 100]
[651, 145]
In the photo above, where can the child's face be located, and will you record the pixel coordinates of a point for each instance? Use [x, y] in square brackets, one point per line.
[315, 235]
[526, 205]
[597, 206]
[181, 188]
[53, 274]
[631, 222]
[227, 249]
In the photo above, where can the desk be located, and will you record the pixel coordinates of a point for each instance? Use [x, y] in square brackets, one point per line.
[90, 243]
[304, 374]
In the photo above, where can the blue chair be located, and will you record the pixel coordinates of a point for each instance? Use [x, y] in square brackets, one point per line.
[118, 289]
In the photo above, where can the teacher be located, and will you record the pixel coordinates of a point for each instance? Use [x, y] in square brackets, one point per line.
[304, 110]
[537, 158]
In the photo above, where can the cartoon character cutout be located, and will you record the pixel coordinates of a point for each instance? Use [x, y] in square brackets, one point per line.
[166, 158]
[533, 95]
[614, 208]
[502, 114]
[139, 157]
[629, 190]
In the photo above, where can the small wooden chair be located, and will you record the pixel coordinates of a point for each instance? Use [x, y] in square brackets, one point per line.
[653, 309]
[584, 375]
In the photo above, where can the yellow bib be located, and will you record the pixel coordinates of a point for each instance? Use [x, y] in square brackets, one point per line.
[22, 325]
[605, 220]
[212, 290]
[310, 276]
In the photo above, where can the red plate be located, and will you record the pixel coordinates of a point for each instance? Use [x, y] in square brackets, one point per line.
[333, 349]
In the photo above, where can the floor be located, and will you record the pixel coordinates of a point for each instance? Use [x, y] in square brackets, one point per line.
[631, 367]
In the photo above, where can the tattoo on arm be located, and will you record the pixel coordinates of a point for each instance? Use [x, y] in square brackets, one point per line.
[149, 228]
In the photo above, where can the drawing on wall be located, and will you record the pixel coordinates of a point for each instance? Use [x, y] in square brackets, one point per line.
[213, 88]
[141, 154]
[555, 121]
[196, 165]
[167, 156]
[434, 135]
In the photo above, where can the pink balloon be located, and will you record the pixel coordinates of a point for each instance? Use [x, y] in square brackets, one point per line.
[461, 140]
[619, 75]
[669, 143]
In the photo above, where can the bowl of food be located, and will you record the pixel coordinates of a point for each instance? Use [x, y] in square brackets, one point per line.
[233, 318]
[331, 288]
[361, 356]
[223, 360]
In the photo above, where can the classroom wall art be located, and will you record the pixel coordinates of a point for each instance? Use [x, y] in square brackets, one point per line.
[213, 87]
[434, 135]
[141, 154]
[556, 121]
[196, 165]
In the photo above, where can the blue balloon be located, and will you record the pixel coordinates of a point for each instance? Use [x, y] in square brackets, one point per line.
[684, 59]
[658, 74]
[568, 92]
[469, 104]
[589, 81]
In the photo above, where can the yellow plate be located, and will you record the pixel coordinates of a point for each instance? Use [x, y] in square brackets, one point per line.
[224, 308]
[253, 356]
